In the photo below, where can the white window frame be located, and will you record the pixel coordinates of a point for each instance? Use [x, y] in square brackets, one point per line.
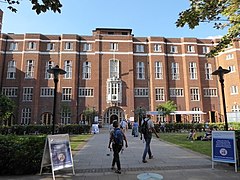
[141, 92]
[196, 118]
[49, 65]
[27, 94]
[208, 71]
[176, 92]
[85, 92]
[32, 45]
[140, 70]
[190, 49]
[66, 117]
[232, 68]
[50, 46]
[158, 70]
[210, 92]
[87, 68]
[229, 56]
[173, 49]
[10, 91]
[68, 46]
[26, 116]
[234, 90]
[193, 70]
[157, 48]
[159, 94]
[29, 74]
[66, 94]
[68, 69]
[13, 46]
[175, 71]
[46, 92]
[205, 49]
[87, 47]
[11, 70]
[114, 68]
[139, 48]
[194, 93]
[113, 46]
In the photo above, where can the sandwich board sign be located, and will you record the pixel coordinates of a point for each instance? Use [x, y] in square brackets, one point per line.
[224, 147]
[57, 153]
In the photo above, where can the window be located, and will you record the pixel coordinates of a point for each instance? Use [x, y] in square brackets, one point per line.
[140, 48]
[26, 116]
[157, 48]
[114, 90]
[205, 49]
[68, 69]
[141, 92]
[173, 49]
[27, 94]
[158, 70]
[68, 46]
[234, 90]
[29, 69]
[10, 91]
[48, 66]
[11, 70]
[176, 92]
[175, 71]
[32, 45]
[232, 68]
[159, 94]
[47, 92]
[85, 92]
[66, 94]
[114, 68]
[87, 70]
[196, 118]
[190, 48]
[229, 56]
[235, 108]
[194, 92]
[87, 47]
[66, 116]
[13, 46]
[50, 46]
[113, 46]
[193, 70]
[208, 71]
[140, 70]
[210, 92]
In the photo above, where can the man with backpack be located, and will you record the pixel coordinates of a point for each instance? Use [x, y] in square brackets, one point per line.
[116, 139]
[147, 128]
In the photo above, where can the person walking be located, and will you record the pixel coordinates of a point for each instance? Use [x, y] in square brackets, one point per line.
[116, 140]
[147, 128]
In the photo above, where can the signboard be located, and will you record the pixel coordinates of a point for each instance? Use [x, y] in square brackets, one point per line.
[57, 153]
[224, 147]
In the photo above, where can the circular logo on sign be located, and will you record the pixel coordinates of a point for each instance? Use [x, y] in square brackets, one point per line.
[223, 152]
[61, 157]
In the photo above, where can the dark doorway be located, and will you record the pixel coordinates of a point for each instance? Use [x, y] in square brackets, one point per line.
[213, 120]
[113, 117]
[178, 118]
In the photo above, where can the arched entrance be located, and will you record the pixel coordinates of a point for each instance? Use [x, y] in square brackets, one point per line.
[113, 117]
[113, 113]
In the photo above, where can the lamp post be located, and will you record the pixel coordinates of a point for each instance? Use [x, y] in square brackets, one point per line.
[55, 71]
[220, 72]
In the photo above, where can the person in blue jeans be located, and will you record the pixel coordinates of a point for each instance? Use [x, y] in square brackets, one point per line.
[148, 137]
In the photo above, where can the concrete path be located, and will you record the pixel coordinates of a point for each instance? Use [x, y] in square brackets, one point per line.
[172, 162]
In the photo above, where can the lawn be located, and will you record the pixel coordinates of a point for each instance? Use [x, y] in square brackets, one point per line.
[78, 141]
[180, 139]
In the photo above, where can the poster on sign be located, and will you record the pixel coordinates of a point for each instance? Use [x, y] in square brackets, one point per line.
[57, 153]
[224, 147]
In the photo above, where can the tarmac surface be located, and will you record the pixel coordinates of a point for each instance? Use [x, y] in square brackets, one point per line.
[93, 162]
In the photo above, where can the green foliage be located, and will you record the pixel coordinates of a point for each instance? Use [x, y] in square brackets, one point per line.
[224, 13]
[7, 107]
[167, 107]
[21, 155]
[89, 114]
[46, 5]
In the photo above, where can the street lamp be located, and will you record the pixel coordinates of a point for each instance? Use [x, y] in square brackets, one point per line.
[55, 71]
[220, 72]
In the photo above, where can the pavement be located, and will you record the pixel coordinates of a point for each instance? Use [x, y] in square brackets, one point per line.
[93, 162]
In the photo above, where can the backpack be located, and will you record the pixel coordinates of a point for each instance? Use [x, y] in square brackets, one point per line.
[118, 136]
[144, 127]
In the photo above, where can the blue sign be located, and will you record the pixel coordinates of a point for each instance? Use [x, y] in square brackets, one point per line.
[223, 146]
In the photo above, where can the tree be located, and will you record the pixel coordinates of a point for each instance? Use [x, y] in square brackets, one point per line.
[167, 107]
[7, 107]
[89, 114]
[140, 112]
[224, 14]
[46, 5]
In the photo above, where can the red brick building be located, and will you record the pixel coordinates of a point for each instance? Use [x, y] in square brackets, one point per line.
[115, 73]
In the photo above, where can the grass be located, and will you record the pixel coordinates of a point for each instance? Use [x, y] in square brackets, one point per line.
[180, 139]
[78, 141]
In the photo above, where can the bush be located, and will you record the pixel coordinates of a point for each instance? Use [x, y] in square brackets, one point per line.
[21, 154]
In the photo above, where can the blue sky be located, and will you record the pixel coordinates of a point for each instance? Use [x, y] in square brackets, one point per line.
[144, 17]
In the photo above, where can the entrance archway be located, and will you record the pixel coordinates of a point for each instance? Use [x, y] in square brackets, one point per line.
[113, 117]
[113, 113]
